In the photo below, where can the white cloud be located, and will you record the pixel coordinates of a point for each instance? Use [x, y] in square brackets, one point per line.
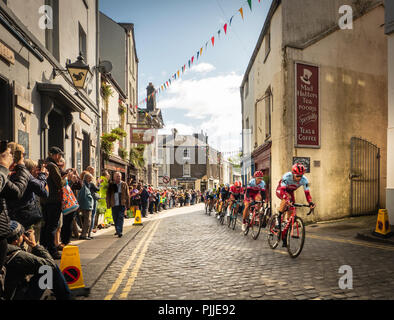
[213, 104]
[203, 68]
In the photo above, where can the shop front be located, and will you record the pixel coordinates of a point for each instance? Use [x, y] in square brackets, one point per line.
[114, 164]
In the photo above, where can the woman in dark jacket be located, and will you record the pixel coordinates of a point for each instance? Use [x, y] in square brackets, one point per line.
[8, 189]
[26, 210]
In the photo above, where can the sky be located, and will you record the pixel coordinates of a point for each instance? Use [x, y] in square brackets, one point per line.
[207, 96]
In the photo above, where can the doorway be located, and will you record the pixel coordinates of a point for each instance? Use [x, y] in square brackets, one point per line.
[56, 130]
[6, 120]
[85, 150]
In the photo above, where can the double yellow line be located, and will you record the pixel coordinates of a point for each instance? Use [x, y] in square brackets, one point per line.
[147, 239]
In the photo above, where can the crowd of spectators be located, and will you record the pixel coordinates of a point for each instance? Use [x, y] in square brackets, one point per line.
[34, 227]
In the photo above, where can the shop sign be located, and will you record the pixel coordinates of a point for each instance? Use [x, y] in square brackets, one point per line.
[307, 106]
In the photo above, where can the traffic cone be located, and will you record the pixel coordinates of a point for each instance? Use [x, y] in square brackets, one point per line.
[137, 219]
[383, 225]
[70, 266]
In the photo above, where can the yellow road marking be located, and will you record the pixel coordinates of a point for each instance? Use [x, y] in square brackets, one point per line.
[123, 272]
[358, 243]
[137, 266]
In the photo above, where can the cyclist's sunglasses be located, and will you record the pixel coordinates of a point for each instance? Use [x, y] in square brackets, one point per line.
[299, 175]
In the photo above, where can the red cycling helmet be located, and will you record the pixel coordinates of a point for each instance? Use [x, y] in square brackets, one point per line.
[258, 174]
[298, 169]
[237, 183]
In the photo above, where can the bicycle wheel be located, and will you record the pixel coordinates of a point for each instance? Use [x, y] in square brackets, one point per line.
[206, 208]
[256, 225]
[234, 218]
[230, 217]
[222, 214]
[266, 217]
[247, 226]
[296, 238]
[273, 233]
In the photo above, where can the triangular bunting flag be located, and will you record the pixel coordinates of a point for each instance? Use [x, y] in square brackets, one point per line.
[213, 41]
[250, 4]
[201, 52]
[231, 20]
[219, 33]
[198, 54]
[242, 12]
[178, 73]
[192, 59]
[225, 28]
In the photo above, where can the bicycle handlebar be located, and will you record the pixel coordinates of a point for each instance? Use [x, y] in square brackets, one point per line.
[304, 206]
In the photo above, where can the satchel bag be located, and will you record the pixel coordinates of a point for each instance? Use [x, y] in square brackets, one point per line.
[69, 203]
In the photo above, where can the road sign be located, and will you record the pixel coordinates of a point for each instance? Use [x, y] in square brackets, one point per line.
[71, 274]
[166, 179]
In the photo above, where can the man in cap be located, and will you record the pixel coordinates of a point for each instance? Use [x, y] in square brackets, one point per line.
[52, 206]
[20, 263]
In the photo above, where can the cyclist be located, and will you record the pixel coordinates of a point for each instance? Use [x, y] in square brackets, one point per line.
[236, 192]
[224, 196]
[290, 182]
[255, 191]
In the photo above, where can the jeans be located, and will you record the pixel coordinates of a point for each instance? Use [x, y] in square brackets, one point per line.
[66, 232]
[51, 213]
[144, 206]
[93, 217]
[118, 217]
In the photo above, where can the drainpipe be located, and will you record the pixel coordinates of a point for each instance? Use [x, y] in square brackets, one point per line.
[98, 149]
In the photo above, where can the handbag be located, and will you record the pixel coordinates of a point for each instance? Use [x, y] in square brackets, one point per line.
[69, 203]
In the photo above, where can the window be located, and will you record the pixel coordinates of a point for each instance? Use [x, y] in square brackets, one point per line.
[82, 43]
[268, 113]
[246, 88]
[186, 170]
[186, 153]
[267, 43]
[52, 34]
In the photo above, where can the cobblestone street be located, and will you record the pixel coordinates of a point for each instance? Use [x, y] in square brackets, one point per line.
[185, 254]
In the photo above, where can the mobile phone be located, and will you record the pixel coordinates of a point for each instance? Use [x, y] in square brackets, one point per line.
[17, 156]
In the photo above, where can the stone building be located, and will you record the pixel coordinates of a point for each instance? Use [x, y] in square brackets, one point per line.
[117, 45]
[389, 30]
[189, 161]
[316, 93]
[41, 104]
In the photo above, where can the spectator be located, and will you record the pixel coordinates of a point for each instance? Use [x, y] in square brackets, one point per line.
[6, 161]
[94, 189]
[135, 198]
[85, 200]
[26, 210]
[152, 200]
[21, 264]
[118, 199]
[52, 207]
[144, 201]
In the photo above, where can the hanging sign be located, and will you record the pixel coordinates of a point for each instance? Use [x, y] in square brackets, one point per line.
[307, 105]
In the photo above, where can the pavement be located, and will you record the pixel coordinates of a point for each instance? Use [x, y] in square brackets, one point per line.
[99, 254]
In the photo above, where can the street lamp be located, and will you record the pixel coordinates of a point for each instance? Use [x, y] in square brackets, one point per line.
[78, 72]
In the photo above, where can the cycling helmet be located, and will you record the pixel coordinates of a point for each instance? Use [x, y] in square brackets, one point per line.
[227, 185]
[258, 174]
[298, 169]
[237, 183]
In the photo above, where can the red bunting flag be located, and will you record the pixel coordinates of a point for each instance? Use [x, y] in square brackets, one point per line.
[225, 28]
[192, 59]
[213, 41]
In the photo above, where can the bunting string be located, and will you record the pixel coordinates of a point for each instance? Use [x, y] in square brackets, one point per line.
[178, 74]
